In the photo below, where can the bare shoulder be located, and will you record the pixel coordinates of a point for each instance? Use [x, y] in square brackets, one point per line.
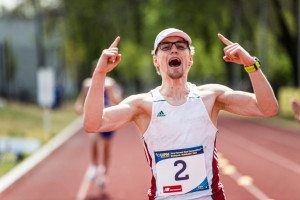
[212, 94]
[140, 101]
[213, 88]
[140, 109]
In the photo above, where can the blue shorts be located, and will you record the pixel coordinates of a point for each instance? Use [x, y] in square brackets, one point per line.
[107, 135]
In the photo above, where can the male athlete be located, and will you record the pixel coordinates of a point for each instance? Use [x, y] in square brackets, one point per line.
[178, 119]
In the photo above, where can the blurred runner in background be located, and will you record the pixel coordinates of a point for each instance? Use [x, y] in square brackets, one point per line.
[296, 108]
[97, 171]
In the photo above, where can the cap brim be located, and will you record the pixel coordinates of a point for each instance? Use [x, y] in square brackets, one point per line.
[169, 33]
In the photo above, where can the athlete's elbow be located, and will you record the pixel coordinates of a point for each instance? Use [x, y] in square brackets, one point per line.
[90, 127]
[272, 112]
[89, 130]
[275, 112]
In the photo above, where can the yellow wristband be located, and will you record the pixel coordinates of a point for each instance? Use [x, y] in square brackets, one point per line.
[254, 67]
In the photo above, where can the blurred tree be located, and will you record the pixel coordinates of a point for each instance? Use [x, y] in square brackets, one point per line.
[265, 28]
[90, 26]
[286, 15]
[10, 63]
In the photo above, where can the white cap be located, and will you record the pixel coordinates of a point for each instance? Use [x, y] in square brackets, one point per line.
[171, 32]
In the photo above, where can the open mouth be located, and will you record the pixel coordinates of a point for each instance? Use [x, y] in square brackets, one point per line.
[174, 62]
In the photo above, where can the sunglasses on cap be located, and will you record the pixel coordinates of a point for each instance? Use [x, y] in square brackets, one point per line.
[180, 45]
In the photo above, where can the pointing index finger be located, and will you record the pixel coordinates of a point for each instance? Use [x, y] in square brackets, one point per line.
[115, 43]
[224, 39]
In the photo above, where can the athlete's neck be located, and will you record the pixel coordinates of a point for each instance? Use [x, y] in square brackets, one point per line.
[175, 92]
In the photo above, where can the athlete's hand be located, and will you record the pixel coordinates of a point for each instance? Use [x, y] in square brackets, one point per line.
[235, 53]
[109, 58]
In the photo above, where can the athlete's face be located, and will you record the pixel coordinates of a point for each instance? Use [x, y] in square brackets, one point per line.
[175, 61]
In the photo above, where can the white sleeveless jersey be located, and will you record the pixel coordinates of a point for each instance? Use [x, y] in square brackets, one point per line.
[180, 148]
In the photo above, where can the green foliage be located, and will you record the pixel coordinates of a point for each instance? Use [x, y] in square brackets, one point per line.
[136, 67]
[10, 60]
[208, 64]
[90, 26]
[279, 67]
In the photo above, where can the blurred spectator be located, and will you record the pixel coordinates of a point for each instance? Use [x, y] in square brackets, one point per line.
[97, 171]
[58, 97]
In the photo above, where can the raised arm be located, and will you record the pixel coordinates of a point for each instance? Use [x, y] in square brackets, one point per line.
[94, 103]
[262, 102]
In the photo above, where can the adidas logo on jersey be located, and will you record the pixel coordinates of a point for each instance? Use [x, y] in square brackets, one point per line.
[161, 114]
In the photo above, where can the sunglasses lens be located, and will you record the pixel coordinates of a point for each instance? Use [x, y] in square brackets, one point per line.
[166, 46]
[180, 45]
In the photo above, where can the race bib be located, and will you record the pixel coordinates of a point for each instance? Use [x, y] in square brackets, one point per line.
[180, 171]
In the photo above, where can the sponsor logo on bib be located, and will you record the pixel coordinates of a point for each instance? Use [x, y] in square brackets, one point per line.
[171, 189]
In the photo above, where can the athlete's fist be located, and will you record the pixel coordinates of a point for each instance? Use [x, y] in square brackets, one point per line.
[235, 53]
[109, 58]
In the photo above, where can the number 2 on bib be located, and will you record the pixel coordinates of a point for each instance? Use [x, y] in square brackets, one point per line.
[177, 175]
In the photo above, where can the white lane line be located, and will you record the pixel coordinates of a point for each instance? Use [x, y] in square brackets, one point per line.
[265, 153]
[84, 187]
[242, 180]
[25, 166]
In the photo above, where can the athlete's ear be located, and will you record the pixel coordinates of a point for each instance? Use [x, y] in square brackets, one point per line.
[191, 60]
[155, 61]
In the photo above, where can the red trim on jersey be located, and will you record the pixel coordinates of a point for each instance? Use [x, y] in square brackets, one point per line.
[152, 190]
[147, 154]
[217, 187]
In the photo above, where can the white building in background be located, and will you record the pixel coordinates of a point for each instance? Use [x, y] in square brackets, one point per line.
[20, 34]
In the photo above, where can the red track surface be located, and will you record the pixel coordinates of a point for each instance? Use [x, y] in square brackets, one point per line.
[265, 155]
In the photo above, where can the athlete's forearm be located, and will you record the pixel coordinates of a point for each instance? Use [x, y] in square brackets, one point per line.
[94, 103]
[263, 91]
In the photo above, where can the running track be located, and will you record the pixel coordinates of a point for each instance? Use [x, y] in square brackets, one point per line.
[256, 162]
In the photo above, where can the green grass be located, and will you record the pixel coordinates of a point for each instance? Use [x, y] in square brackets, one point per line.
[26, 121]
